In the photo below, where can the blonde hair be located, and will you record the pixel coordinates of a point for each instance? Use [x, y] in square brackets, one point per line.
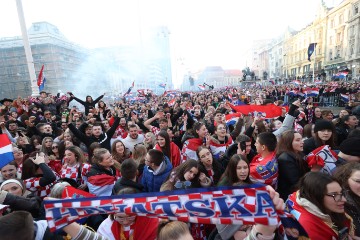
[172, 230]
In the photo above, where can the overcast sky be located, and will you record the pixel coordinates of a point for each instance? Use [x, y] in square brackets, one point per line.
[203, 32]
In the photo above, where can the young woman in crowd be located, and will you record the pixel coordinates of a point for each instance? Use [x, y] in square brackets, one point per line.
[37, 175]
[173, 230]
[9, 171]
[208, 165]
[17, 187]
[23, 143]
[236, 172]
[220, 141]
[324, 132]
[170, 149]
[348, 176]
[119, 151]
[46, 145]
[291, 163]
[201, 137]
[319, 207]
[102, 175]
[74, 167]
[149, 140]
[308, 131]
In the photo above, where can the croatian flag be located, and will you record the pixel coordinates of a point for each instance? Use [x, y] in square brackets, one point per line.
[130, 88]
[272, 82]
[342, 74]
[318, 81]
[231, 119]
[162, 85]
[297, 82]
[313, 92]
[344, 97]
[6, 153]
[41, 79]
[201, 87]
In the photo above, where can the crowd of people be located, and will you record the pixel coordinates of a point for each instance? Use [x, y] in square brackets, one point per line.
[182, 140]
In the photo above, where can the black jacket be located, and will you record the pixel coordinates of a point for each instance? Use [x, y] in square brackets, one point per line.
[310, 145]
[103, 139]
[87, 105]
[290, 171]
[126, 183]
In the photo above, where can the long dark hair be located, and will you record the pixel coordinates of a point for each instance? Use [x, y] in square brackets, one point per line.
[343, 174]
[285, 146]
[330, 142]
[166, 149]
[116, 155]
[230, 172]
[178, 173]
[197, 127]
[313, 187]
[29, 167]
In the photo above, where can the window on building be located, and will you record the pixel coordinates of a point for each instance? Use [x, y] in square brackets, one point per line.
[331, 40]
[356, 9]
[338, 37]
[330, 55]
[341, 18]
[319, 65]
[351, 49]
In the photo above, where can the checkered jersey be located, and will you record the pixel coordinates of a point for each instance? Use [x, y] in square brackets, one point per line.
[72, 172]
[155, 130]
[33, 185]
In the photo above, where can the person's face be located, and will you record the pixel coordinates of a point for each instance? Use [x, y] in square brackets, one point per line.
[12, 127]
[163, 125]
[133, 132]
[248, 147]
[47, 114]
[343, 113]
[206, 157]
[161, 141]
[147, 160]
[242, 170]
[218, 117]
[317, 112]
[48, 142]
[259, 147]
[354, 182]
[325, 134]
[18, 154]
[221, 131]
[352, 122]
[89, 99]
[123, 122]
[68, 144]
[119, 147]
[277, 124]
[106, 124]
[147, 138]
[47, 129]
[13, 188]
[197, 113]
[297, 143]
[107, 160]
[329, 202]
[67, 137]
[88, 131]
[8, 172]
[191, 174]
[14, 114]
[329, 117]
[55, 148]
[124, 219]
[78, 124]
[64, 126]
[170, 132]
[96, 131]
[202, 131]
[70, 157]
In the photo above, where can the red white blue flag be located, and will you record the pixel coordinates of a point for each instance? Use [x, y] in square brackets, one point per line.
[41, 79]
[162, 85]
[6, 152]
[130, 88]
[201, 87]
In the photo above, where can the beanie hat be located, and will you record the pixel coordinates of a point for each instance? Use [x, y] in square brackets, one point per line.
[323, 125]
[350, 146]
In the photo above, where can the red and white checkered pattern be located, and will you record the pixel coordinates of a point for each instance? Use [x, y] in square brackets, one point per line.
[72, 172]
[155, 130]
[33, 185]
[83, 207]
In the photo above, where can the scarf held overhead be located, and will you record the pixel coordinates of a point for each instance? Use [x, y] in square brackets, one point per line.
[267, 111]
[243, 205]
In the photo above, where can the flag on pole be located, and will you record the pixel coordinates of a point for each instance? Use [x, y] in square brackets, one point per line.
[201, 87]
[6, 152]
[41, 79]
[311, 50]
[130, 88]
[162, 85]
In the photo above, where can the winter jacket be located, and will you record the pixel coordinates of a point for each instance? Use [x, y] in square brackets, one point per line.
[100, 180]
[126, 183]
[87, 105]
[152, 182]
